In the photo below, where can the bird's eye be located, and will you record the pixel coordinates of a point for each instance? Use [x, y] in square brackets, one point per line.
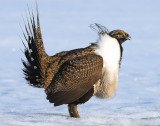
[120, 36]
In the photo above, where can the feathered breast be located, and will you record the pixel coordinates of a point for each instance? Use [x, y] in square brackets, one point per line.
[109, 49]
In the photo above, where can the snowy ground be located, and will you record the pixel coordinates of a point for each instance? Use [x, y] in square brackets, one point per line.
[65, 26]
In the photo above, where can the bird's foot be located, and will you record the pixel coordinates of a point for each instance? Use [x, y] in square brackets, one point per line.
[73, 111]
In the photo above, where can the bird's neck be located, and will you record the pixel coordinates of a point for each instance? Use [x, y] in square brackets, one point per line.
[110, 50]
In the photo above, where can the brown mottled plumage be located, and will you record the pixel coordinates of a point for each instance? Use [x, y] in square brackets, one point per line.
[73, 77]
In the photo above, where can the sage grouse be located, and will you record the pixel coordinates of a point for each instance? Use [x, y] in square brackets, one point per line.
[73, 77]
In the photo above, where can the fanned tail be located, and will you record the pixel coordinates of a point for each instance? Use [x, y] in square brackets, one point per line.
[37, 59]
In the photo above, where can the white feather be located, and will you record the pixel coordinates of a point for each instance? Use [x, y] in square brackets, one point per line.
[109, 49]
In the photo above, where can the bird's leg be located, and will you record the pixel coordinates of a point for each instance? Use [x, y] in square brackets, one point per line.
[73, 111]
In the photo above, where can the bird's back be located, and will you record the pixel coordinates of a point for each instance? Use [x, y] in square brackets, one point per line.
[60, 58]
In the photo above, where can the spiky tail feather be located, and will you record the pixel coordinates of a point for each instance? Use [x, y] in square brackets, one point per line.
[37, 59]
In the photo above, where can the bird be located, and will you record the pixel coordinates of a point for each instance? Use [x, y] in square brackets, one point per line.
[73, 77]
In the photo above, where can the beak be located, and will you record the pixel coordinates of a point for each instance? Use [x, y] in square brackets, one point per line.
[129, 37]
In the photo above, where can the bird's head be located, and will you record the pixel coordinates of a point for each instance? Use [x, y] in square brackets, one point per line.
[120, 35]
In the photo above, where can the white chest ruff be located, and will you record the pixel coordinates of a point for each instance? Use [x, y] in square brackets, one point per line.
[109, 49]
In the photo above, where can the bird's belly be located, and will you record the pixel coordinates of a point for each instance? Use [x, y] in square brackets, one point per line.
[106, 87]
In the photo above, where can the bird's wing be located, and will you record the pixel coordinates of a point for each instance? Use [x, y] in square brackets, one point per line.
[74, 79]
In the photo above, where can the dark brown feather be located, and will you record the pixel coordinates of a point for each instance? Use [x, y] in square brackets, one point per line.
[74, 79]
[37, 60]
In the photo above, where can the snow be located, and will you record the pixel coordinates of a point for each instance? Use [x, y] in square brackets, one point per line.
[65, 26]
